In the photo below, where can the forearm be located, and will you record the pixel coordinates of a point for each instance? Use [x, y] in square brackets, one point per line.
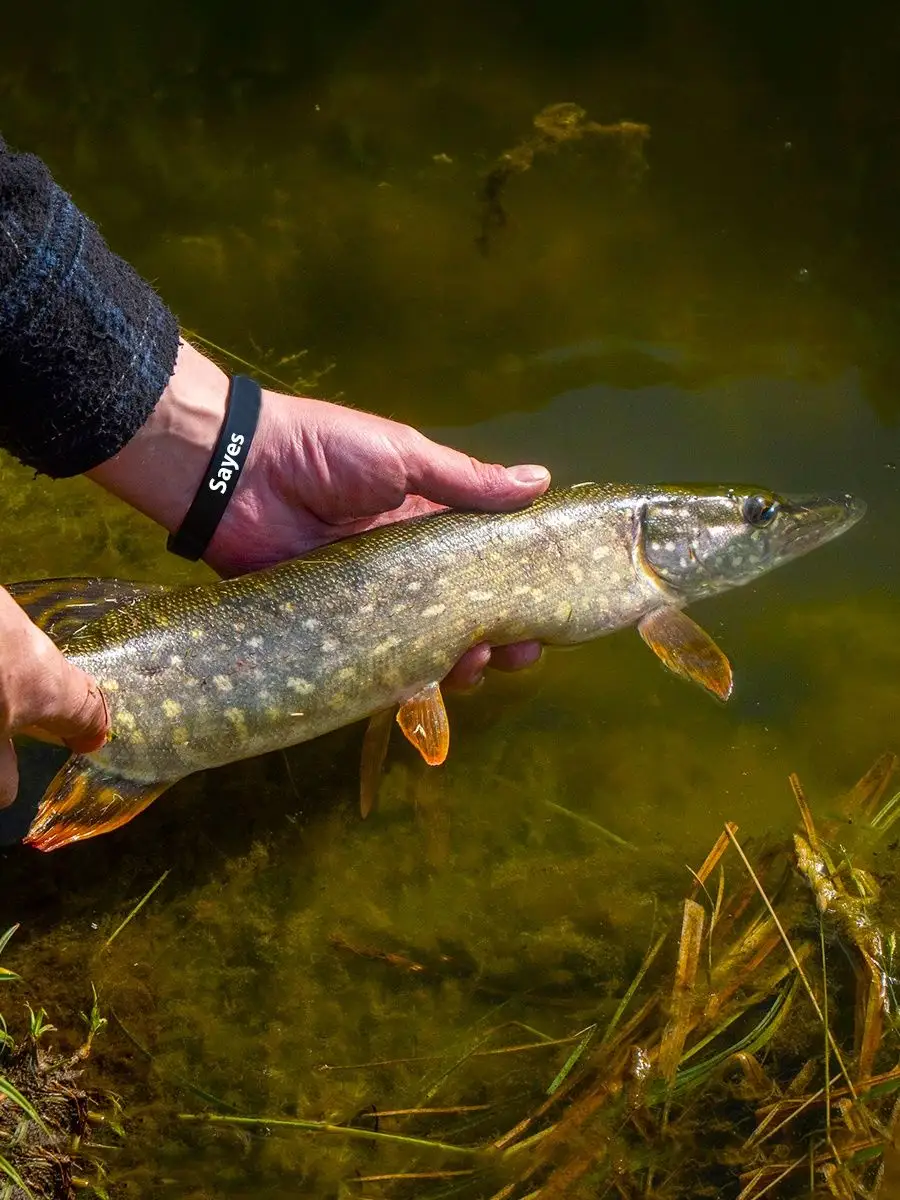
[160, 468]
[86, 346]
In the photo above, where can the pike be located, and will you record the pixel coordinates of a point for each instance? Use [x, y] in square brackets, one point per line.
[200, 676]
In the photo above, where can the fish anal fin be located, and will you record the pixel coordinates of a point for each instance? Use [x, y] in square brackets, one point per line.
[687, 650]
[84, 800]
[61, 607]
[423, 719]
[374, 751]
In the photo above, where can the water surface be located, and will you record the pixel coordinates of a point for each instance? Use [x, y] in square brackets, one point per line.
[303, 189]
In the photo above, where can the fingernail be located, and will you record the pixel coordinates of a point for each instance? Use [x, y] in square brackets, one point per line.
[528, 475]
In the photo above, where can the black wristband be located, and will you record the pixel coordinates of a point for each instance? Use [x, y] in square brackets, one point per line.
[223, 473]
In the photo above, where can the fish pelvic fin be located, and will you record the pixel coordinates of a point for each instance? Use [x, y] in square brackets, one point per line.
[424, 721]
[374, 752]
[85, 800]
[62, 607]
[687, 650]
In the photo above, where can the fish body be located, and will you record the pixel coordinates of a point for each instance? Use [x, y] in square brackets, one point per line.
[199, 676]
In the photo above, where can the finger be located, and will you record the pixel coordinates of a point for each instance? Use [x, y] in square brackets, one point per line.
[469, 670]
[9, 773]
[446, 476]
[73, 708]
[515, 657]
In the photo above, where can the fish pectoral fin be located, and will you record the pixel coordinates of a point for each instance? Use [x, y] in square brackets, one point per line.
[374, 751]
[84, 800]
[423, 719]
[61, 607]
[687, 650]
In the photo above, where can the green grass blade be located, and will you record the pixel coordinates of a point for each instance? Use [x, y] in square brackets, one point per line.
[5, 939]
[573, 1058]
[349, 1131]
[12, 1093]
[134, 912]
[11, 1173]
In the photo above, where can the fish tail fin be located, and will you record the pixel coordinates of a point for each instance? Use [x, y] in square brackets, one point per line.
[84, 800]
[63, 607]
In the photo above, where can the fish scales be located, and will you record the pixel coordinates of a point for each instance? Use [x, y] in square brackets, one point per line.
[293, 652]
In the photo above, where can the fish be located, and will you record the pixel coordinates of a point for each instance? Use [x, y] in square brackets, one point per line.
[202, 675]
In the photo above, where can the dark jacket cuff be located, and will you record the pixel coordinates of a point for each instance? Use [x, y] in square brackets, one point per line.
[86, 346]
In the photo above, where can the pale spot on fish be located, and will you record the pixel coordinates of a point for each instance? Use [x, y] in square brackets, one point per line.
[388, 643]
[239, 627]
[222, 682]
[286, 607]
[311, 623]
[329, 645]
[415, 586]
[522, 590]
[599, 553]
[125, 719]
[434, 610]
[366, 609]
[197, 634]
[563, 612]
[481, 596]
[236, 717]
[670, 546]
[180, 735]
[254, 643]
[171, 708]
[175, 660]
[337, 701]
[347, 673]
[302, 686]
[109, 685]
[399, 608]
[576, 572]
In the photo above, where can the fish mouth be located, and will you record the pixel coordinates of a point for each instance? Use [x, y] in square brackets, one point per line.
[815, 520]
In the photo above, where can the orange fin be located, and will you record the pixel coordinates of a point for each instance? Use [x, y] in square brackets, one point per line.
[682, 646]
[84, 800]
[424, 722]
[374, 750]
[62, 607]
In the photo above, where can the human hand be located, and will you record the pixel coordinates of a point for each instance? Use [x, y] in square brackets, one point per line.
[316, 472]
[42, 692]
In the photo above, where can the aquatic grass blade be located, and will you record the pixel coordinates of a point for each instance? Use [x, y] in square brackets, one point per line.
[11, 1173]
[572, 1060]
[12, 1093]
[137, 908]
[349, 1131]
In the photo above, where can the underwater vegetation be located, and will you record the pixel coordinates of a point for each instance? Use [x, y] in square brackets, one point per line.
[47, 1118]
[763, 1061]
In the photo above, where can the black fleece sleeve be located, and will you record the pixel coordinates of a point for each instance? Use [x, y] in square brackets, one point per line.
[86, 346]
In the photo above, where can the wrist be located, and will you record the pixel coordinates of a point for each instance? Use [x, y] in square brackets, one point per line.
[159, 470]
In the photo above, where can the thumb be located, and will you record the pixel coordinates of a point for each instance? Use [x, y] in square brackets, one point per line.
[446, 476]
[76, 711]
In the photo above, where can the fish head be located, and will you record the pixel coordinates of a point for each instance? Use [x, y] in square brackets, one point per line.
[705, 540]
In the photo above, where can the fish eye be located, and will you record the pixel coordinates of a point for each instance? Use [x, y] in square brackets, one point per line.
[760, 510]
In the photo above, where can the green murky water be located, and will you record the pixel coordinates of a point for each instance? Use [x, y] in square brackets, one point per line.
[295, 181]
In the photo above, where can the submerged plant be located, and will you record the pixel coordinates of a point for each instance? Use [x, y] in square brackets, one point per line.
[45, 1115]
[741, 1072]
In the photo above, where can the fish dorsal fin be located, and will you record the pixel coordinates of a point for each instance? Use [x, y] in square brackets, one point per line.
[374, 752]
[423, 719]
[62, 607]
[85, 799]
[687, 650]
